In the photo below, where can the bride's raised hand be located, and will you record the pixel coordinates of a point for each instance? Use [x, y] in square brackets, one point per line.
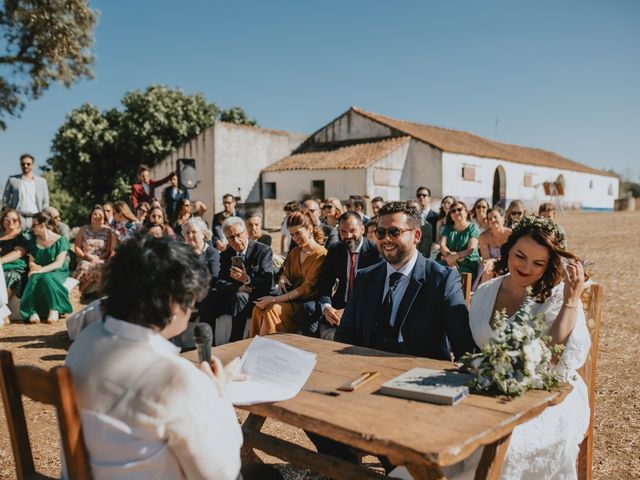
[573, 282]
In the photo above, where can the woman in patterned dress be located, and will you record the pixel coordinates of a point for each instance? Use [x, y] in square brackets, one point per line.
[94, 245]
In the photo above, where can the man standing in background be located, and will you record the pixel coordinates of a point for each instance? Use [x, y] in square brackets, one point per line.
[27, 193]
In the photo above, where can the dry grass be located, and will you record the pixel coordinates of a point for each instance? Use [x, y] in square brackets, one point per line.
[607, 239]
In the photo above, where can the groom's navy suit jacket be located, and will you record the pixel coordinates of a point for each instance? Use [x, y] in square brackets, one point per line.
[432, 312]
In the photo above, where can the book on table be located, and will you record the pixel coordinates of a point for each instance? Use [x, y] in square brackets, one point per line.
[427, 385]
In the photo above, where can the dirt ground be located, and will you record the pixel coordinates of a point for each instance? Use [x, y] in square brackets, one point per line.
[608, 239]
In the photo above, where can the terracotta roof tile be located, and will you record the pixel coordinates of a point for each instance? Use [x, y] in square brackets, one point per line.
[337, 155]
[456, 141]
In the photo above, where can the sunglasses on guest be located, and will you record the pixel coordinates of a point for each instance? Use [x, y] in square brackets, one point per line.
[514, 214]
[393, 232]
[457, 210]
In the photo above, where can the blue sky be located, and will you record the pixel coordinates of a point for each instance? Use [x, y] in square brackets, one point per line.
[562, 76]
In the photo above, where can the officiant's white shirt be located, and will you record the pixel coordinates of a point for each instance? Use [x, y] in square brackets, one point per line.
[148, 413]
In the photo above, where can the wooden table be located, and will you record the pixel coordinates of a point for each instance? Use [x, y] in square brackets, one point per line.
[422, 436]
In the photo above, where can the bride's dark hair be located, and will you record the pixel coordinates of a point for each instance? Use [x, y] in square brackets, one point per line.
[548, 234]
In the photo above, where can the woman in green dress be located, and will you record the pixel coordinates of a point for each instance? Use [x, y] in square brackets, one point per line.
[45, 293]
[459, 241]
[12, 254]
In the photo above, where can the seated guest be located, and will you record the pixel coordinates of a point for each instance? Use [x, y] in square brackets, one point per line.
[352, 253]
[547, 210]
[108, 213]
[407, 304]
[219, 240]
[441, 222]
[298, 282]
[13, 253]
[358, 205]
[479, 214]
[183, 213]
[285, 237]
[376, 204]
[426, 233]
[157, 217]
[63, 228]
[490, 242]
[93, 246]
[146, 411]
[330, 233]
[246, 274]
[126, 222]
[45, 293]
[371, 228]
[515, 212]
[142, 211]
[459, 241]
[253, 223]
[197, 235]
[332, 209]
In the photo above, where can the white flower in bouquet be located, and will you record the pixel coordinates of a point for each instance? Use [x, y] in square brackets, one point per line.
[517, 357]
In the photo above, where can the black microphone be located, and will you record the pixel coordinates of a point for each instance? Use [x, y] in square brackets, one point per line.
[204, 338]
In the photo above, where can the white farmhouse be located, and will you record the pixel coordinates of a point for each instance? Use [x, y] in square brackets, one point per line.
[368, 154]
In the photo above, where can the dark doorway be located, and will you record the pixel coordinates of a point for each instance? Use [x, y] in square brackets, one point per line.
[499, 194]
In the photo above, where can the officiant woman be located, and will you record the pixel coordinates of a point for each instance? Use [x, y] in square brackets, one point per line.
[146, 411]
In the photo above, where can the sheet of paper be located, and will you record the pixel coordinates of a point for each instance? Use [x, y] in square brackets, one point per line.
[275, 372]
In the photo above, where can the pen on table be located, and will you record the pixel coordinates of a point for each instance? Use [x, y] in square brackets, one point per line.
[321, 391]
[360, 380]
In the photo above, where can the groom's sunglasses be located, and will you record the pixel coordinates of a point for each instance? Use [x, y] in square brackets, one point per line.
[394, 232]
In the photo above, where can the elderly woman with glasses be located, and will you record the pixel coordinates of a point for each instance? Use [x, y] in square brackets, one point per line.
[459, 241]
[515, 212]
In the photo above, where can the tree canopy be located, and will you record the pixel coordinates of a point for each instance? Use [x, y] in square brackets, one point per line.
[43, 42]
[95, 154]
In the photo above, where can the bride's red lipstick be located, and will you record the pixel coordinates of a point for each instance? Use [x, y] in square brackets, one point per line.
[524, 275]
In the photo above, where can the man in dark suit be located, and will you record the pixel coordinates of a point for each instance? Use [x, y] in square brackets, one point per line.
[407, 304]
[427, 215]
[246, 273]
[353, 252]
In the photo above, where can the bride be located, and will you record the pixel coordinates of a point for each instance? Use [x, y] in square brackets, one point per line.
[535, 257]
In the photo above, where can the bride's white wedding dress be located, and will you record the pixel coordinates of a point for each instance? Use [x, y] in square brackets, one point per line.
[546, 446]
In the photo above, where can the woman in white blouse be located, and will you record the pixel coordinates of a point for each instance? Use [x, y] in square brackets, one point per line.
[147, 412]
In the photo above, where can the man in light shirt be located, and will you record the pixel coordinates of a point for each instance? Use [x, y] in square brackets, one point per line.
[27, 193]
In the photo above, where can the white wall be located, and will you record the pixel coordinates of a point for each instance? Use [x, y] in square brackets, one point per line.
[351, 126]
[241, 153]
[295, 184]
[229, 157]
[385, 177]
[423, 169]
[577, 191]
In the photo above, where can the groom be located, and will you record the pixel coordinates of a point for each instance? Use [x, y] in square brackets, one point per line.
[407, 305]
[418, 309]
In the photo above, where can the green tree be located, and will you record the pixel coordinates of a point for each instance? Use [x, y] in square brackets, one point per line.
[43, 41]
[236, 115]
[95, 155]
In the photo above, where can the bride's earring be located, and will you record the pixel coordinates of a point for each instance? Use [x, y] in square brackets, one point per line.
[173, 319]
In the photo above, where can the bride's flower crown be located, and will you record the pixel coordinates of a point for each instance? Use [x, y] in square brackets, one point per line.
[531, 222]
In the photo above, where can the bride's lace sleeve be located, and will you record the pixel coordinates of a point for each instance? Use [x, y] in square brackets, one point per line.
[578, 344]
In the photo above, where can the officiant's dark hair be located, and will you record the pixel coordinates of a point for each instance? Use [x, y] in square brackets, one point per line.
[146, 275]
[545, 233]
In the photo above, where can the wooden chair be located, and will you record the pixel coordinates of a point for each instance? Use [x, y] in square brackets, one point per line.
[466, 279]
[52, 388]
[592, 303]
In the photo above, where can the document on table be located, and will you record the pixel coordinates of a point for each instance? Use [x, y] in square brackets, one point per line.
[275, 372]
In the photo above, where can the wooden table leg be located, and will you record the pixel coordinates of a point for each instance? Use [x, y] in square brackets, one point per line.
[492, 459]
[420, 472]
[252, 423]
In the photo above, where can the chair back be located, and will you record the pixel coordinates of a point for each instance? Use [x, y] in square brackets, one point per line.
[466, 280]
[592, 302]
[52, 388]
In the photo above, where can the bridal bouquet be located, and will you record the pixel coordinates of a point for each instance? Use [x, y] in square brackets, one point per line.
[517, 358]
